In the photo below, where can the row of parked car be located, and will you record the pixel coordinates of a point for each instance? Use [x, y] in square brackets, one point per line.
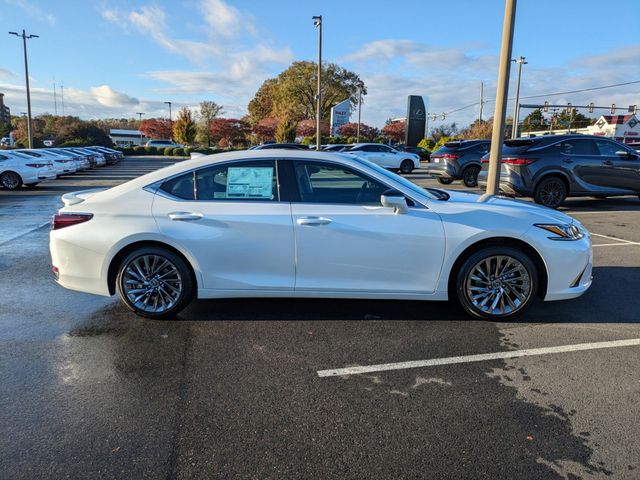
[28, 167]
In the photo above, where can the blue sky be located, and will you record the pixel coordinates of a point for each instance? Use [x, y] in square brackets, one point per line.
[119, 57]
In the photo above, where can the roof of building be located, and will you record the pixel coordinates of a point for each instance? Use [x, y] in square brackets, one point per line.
[125, 132]
[618, 119]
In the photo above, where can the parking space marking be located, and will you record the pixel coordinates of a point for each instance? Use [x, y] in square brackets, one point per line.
[600, 212]
[621, 240]
[358, 370]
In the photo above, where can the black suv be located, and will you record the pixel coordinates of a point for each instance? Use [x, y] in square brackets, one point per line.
[553, 167]
[458, 160]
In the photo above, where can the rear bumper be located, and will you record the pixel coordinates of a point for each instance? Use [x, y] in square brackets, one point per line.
[438, 168]
[510, 183]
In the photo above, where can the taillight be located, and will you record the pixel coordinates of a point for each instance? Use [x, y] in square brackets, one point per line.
[61, 220]
[447, 156]
[37, 165]
[517, 161]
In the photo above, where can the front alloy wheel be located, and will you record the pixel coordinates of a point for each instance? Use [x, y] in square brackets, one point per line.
[155, 283]
[497, 283]
[470, 176]
[10, 180]
[445, 180]
[406, 166]
[550, 192]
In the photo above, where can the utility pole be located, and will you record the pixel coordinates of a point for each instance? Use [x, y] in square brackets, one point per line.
[481, 100]
[516, 109]
[62, 97]
[359, 113]
[170, 121]
[25, 37]
[140, 115]
[497, 136]
[317, 21]
[55, 98]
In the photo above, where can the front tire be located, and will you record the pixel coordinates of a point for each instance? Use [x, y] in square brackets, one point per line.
[155, 283]
[445, 180]
[550, 192]
[10, 180]
[406, 166]
[497, 283]
[470, 176]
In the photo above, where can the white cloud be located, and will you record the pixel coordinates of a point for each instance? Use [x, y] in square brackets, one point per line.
[111, 15]
[226, 20]
[32, 10]
[4, 73]
[107, 96]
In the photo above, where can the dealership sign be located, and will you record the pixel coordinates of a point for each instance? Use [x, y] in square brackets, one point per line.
[340, 114]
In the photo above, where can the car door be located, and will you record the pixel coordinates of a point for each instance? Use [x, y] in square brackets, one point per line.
[389, 157]
[346, 241]
[229, 217]
[621, 171]
[579, 158]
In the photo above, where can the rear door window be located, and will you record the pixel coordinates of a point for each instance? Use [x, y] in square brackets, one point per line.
[241, 181]
[575, 147]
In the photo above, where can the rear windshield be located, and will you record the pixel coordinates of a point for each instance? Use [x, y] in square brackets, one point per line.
[451, 147]
[516, 147]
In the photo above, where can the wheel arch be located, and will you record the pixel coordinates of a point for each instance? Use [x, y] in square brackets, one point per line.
[554, 173]
[529, 250]
[14, 172]
[112, 272]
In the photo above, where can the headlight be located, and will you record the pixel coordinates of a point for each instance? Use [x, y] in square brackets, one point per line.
[563, 231]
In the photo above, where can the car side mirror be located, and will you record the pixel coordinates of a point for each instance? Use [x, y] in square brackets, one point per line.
[396, 200]
[625, 153]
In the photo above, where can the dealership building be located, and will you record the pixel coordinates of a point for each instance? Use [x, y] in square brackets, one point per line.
[127, 138]
[623, 128]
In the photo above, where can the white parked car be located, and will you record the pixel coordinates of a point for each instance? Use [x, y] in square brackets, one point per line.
[283, 223]
[17, 169]
[385, 156]
[163, 143]
[64, 164]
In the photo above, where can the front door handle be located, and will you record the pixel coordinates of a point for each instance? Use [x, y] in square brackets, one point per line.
[185, 216]
[313, 221]
[609, 163]
[567, 160]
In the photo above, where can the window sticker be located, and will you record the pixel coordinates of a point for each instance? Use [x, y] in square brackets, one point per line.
[250, 182]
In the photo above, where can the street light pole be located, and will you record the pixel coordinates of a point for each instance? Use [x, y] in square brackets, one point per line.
[359, 113]
[140, 115]
[516, 109]
[317, 21]
[26, 77]
[481, 100]
[170, 121]
[497, 136]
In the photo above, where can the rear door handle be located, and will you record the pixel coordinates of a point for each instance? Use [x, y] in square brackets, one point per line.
[185, 216]
[608, 163]
[313, 221]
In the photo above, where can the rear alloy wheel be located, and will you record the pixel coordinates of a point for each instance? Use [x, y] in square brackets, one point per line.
[155, 283]
[10, 180]
[497, 283]
[406, 167]
[470, 176]
[445, 180]
[550, 192]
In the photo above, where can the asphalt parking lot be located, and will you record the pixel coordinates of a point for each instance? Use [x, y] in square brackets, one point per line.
[235, 388]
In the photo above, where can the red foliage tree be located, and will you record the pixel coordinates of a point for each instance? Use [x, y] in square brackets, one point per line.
[307, 128]
[395, 131]
[351, 130]
[156, 128]
[229, 131]
[265, 129]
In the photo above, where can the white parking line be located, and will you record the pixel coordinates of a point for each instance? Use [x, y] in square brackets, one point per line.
[601, 212]
[476, 358]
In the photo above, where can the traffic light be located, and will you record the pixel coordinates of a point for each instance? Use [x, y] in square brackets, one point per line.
[569, 108]
[546, 107]
[633, 109]
[613, 109]
[444, 115]
[590, 107]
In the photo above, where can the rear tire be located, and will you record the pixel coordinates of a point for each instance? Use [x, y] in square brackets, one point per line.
[470, 176]
[155, 283]
[445, 180]
[497, 283]
[550, 192]
[406, 167]
[10, 180]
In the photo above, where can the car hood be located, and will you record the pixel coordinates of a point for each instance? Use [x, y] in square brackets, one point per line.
[527, 211]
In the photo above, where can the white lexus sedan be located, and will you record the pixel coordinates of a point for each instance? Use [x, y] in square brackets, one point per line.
[283, 223]
[385, 156]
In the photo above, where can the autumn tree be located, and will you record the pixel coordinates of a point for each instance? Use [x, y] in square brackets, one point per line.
[395, 130]
[479, 129]
[265, 129]
[208, 112]
[444, 130]
[307, 128]
[184, 128]
[351, 130]
[292, 95]
[229, 131]
[159, 128]
[286, 131]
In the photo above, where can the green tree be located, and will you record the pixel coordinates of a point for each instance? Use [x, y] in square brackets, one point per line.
[84, 133]
[572, 119]
[292, 95]
[534, 121]
[286, 131]
[184, 129]
[208, 112]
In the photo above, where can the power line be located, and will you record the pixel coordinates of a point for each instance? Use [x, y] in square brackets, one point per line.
[551, 94]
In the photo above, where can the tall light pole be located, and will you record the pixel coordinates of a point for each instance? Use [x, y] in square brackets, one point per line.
[170, 121]
[359, 113]
[140, 116]
[25, 37]
[317, 21]
[516, 109]
[481, 100]
[497, 136]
